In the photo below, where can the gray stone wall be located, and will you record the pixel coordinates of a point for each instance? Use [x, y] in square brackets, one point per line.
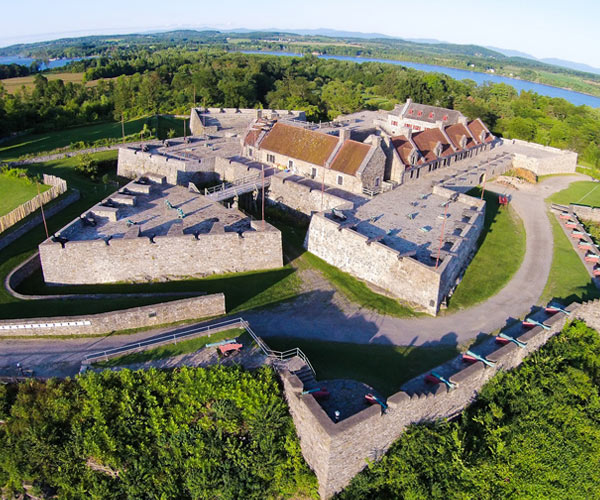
[586, 213]
[168, 257]
[404, 277]
[338, 451]
[374, 169]
[138, 317]
[302, 198]
[133, 163]
[557, 161]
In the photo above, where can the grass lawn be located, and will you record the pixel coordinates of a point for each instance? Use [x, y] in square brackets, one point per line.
[39, 143]
[383, 367]
[500, 254]
[582, 192]
[568, 279]
[15, 191]
[170, 350]
[12, 85]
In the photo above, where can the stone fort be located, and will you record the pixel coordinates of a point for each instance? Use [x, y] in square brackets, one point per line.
[384, 192]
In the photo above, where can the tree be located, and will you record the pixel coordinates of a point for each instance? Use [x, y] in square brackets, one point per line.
[87, 166]
[340, 98]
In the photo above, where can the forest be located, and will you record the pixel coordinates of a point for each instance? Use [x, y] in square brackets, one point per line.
[188, 433]
[146, 82]
[533, 432]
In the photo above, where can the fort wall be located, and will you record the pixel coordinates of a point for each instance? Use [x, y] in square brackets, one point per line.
[302, 198]
[585, 212]
[137, 317]
[556, 162]
[338, 451]
[141, 259]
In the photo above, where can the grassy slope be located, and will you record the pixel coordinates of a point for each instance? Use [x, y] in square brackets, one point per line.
[501, 252]
[170, 350]
[582, 192]
[14, 191]
[39, 143]
[12, 85]
[383, 367]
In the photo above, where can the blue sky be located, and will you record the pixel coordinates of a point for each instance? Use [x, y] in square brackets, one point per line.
[543, 28]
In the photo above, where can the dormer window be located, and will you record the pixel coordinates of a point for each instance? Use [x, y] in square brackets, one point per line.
[438, 149]
[482, 136]
[414, 157]
[463, 142]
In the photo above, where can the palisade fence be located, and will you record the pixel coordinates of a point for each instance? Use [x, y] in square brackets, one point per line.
[58, 187]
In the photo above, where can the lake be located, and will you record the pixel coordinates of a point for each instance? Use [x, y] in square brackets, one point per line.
[576, 98]
[26, 61]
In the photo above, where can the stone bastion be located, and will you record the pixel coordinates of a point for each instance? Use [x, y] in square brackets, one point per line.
[150, 230]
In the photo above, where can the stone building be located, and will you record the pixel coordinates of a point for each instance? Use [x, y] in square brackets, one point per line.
[149, 231]
[336, 161]
[419, 117]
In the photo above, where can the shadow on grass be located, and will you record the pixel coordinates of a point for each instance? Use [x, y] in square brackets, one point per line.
[383, 367]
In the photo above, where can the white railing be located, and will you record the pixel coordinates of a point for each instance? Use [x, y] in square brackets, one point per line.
[196, 332]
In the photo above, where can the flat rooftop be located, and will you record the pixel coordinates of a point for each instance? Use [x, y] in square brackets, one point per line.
[152, 216]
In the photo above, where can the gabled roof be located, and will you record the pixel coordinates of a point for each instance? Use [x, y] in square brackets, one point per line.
[252, 136]
[477, 127]
[350, 156]
[431, 114]
[456, 132]
[428, 139]
[404, 148]
[301, 144]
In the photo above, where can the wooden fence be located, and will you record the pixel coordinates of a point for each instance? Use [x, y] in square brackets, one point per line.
[59, 186]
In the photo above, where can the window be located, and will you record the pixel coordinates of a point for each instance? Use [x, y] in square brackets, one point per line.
[394, 123]
[250, 152]
[445, 118]
[410, 111]
[313, 172]
[431, 115]
[270, 158]
[340, 180]
[377, 181]
[420, 113]
[291, 164]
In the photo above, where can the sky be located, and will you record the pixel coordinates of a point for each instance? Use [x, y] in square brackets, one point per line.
[542, 28]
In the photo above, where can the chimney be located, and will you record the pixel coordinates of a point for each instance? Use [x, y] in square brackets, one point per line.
[259, 114]
[344, 135]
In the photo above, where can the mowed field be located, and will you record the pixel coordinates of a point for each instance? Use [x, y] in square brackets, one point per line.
[12, 85]
[38, 143]
[14, 191]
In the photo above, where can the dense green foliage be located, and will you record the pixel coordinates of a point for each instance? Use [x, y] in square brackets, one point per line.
[190, 433]
[533, 432]
[16, 188]
[171, 80]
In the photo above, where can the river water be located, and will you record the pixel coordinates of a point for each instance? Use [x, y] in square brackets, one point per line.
[26, 61]
[576, 98]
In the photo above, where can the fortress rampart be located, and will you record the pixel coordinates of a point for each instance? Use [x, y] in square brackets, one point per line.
[549, 160]
[93, 324]
[401, 275]
[585, 212]
[140, 259]
[339, 451]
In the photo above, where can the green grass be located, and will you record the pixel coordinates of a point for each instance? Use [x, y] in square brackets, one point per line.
[40, 143]
[170, 350]
[582, 192]
[500, 254]
[15, 191]
[568, 280]
[383, 367]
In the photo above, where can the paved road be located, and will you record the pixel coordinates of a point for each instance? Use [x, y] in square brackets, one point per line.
[323, 314]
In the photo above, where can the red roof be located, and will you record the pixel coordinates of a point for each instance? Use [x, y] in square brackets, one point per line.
[404, 148]
[301, 144]
[350, 156]
[477, 128]
[428, 139]
[456, 133]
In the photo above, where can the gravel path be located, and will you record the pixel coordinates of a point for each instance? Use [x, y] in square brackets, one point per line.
[324, 314]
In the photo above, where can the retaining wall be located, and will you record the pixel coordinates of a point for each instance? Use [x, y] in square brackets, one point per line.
[558, 162]
[585, 212]
[138, 317]
[338, 451]
[404, 277]
[141, 259]
[58, 187]
[303, 198]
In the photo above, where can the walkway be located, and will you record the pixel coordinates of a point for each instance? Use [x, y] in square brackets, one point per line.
[325, 314]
